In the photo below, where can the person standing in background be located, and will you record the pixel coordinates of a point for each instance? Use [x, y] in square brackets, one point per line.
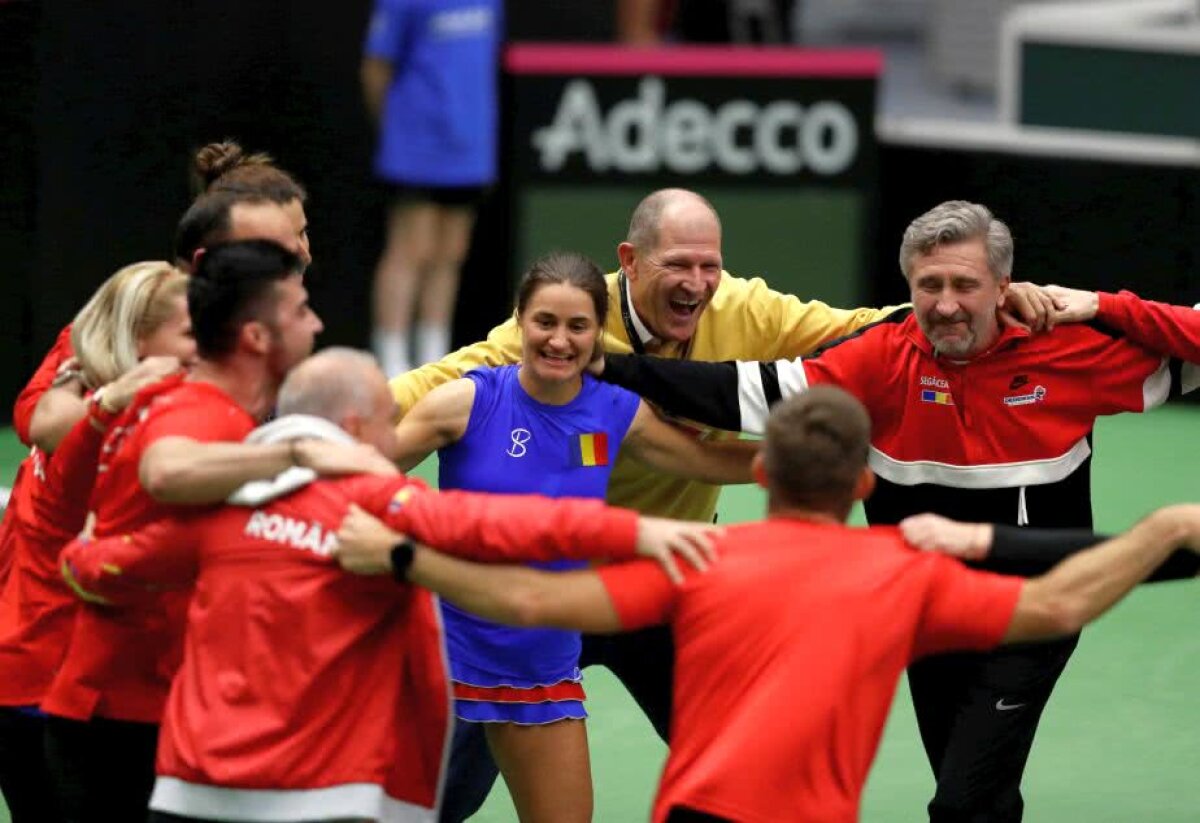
[429, 83]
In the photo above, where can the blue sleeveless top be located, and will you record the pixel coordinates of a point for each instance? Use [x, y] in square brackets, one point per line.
[516, 445]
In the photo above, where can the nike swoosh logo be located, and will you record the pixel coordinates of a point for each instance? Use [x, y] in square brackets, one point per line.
[1001, 706]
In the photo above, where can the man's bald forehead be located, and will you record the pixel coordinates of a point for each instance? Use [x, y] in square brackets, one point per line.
[649, 215]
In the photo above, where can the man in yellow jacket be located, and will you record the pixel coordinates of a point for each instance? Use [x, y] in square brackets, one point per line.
[675, 300]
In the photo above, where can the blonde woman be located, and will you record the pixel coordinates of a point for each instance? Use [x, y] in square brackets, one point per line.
[133, 331]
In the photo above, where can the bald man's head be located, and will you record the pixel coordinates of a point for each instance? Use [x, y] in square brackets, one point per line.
[672, 259]
[645, 224]
[346, 387]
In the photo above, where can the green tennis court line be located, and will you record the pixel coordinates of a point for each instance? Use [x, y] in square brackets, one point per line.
[1118, 742]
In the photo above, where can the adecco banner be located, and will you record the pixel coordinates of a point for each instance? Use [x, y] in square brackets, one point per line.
[757, 116]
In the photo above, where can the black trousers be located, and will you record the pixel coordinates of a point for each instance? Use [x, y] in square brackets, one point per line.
[644, 662]
[24, 777]
[103, 770]
[977, 715]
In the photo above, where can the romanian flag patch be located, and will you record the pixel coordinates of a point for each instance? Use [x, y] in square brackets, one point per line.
[589, 449]
[400, 499]
[942, 398]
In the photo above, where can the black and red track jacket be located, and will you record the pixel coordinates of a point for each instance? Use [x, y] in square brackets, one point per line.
[1004, 437]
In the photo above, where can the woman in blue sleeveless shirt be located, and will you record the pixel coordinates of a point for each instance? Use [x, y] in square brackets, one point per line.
[543, 426]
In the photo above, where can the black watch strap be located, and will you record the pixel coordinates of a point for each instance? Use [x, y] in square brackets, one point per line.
[402, 558]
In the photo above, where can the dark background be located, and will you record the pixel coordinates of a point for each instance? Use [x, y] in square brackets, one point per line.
[102, 104]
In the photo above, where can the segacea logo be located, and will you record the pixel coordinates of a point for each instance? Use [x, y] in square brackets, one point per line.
[648, 134]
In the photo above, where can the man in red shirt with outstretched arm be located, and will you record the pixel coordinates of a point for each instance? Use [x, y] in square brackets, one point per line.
[789, 649]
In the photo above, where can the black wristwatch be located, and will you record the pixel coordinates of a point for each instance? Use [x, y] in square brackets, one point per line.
[402, 558]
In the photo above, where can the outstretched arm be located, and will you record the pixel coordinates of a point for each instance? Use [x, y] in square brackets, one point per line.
[1086, 585]
[1023, 551]
[438, 419]
[123, 568]
[734, 396]
[516, 595]
[662, 446]
[502, 346]
[1165, 329]
[515, 527]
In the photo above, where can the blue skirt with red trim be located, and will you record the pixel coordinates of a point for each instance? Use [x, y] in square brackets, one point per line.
[503, 674]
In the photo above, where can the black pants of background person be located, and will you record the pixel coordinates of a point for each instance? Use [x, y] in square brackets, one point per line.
[644, 661]
[977, 714]
[24, 778]
[103, 770]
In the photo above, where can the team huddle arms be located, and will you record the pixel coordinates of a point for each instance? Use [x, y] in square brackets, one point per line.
[181, 577]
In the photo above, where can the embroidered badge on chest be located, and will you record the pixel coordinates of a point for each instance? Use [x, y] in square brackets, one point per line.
[1037, 395]
[941, 398]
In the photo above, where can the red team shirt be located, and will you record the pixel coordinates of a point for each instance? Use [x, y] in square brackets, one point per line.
[99, 675]
[306, 691]
[787, 656]
[50, 510]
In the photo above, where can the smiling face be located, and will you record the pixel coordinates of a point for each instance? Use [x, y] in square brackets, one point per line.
[559, 330]
[955, 296]
[673, 280]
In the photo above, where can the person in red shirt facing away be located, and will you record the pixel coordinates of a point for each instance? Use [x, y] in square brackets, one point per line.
[177, 444]
[280, 639]
[139, 313]
[789, 649]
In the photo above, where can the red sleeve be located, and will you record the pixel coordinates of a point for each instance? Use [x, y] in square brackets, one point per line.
[42, 380]
[852, 364]
[62, 502]
[964, 608]
[1122, 376]
[1165, 329]
[499, 528]
[123, 568]
[640, 591]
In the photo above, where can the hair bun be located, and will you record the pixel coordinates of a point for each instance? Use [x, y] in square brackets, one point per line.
[216, 159]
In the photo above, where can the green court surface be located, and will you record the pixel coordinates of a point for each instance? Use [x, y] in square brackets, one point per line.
[1120, 740]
